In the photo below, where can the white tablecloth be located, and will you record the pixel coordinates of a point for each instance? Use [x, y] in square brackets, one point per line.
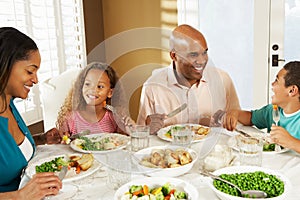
[95, 186]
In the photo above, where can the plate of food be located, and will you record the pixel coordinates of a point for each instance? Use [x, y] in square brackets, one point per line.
[268, 148]
[100, 143]
[200, 131]
[79, 166]
[166, 161]
[276, 185]
[157, 188]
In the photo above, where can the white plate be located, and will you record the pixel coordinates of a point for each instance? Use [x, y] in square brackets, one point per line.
[122, 138]
[30, 171]
[242, 169]
[165, 172]
[233, 144]
[162, 133]
[152, 182]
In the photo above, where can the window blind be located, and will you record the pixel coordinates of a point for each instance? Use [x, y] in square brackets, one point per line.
[57, 27]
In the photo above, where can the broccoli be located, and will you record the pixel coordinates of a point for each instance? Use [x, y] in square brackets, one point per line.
[180, 195]
[166, 189]
[61, 162]
[135, 188]
[160, 196]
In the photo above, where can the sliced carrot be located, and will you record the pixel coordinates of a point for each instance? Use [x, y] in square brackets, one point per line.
[146, 190]
[167, 197]
[172, 191]
[136, 193]
[78, 169]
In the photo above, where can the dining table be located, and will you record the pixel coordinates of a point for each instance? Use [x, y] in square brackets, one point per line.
[95, 185]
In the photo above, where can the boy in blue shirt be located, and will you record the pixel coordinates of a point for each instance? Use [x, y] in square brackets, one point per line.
[286, 88]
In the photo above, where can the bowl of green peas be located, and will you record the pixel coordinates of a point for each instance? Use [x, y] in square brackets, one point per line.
[275, 184]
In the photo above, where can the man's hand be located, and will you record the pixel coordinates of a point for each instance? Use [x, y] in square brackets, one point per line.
[156, 122]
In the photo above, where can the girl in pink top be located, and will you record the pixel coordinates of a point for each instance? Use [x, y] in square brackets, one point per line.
[84, 107]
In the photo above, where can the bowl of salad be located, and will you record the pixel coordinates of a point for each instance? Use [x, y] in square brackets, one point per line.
[157, 188]
[275, 184]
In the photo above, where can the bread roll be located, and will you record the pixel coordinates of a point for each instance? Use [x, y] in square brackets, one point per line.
[86, 161]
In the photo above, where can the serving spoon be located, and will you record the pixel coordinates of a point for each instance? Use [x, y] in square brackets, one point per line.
[244, 193]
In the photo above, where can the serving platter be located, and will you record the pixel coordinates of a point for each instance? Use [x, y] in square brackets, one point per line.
[163, 133]
[117, 142]
[30, 171]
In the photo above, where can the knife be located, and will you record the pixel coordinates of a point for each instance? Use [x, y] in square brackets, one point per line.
[177, 110]
[63, 172]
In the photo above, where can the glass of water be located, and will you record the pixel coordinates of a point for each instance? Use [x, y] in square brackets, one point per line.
[139, 137]
[182, 136]
[250, 150]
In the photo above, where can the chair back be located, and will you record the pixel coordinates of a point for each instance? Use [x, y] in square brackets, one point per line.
[53, 93]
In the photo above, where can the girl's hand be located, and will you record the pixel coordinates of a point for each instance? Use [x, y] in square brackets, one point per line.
[41, 185]
[53, 136]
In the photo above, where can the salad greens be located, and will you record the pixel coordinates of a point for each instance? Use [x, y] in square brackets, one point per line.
[169, 132]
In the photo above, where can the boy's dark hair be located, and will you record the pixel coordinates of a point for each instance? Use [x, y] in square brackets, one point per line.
[292, 76]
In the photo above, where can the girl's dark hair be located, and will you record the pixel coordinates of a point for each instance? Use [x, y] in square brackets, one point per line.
[78, 100]
[292, 76]
[14, 46]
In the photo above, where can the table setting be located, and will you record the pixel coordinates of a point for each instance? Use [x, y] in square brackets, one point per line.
[117, 167]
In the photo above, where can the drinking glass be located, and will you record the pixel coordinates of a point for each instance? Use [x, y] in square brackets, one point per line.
[118, 170]
[139, 136]
[182, 136]
[250, 150]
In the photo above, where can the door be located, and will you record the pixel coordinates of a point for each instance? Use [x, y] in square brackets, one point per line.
[251, 40]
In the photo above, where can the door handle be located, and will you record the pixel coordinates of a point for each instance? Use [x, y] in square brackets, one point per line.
[275, 60]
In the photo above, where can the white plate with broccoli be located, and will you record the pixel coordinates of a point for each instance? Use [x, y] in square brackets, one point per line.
[100, 143]
[201, 132]
[52, 163]
[157, 188]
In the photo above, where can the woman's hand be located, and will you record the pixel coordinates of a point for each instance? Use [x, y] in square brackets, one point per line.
[41, 185]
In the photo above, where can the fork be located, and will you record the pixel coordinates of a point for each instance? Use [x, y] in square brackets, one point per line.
[276, 118]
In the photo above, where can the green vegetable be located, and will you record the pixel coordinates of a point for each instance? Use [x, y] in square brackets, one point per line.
[135, 188]
[269, 147]
[159, 196]
[251, 181]
[180, 195]
[51, 166]
[166, 189]
[90, 145]
[169, 132]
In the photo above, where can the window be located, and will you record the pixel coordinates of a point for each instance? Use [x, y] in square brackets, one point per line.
[57, 27]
